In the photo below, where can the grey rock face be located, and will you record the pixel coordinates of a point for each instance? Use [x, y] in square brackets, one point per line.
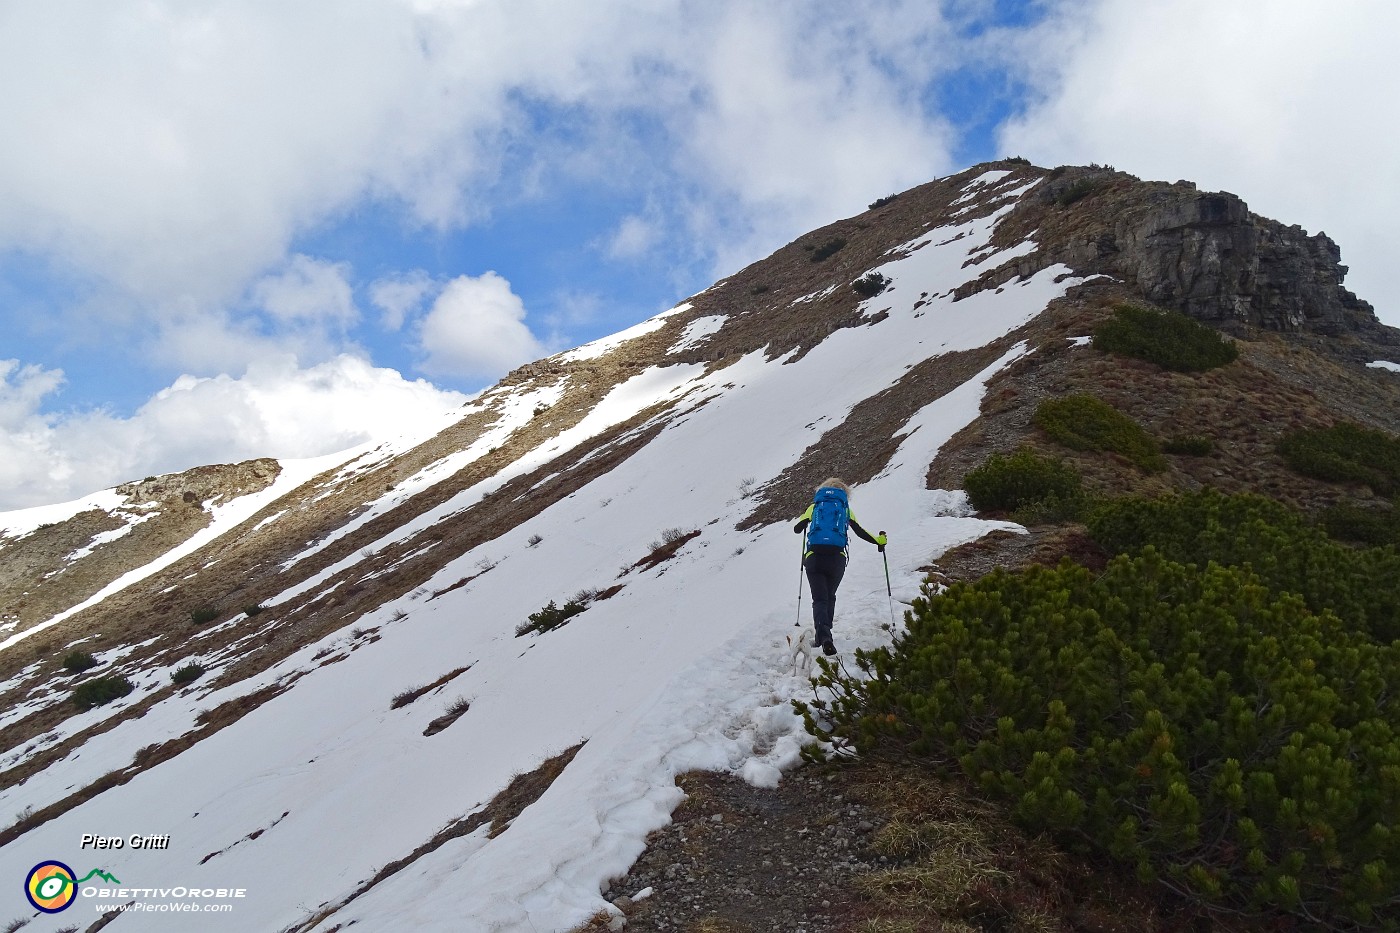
[1202, 253]
[1207, 256]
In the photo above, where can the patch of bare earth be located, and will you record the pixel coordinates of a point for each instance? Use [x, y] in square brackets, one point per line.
[876, 847]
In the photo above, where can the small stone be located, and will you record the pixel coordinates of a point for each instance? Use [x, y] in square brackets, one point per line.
[617, 923]
[623, 903]
[717, 818]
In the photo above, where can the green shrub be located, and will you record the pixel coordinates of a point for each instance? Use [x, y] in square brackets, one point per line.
[79, 661]
[102, 690]
[1171, 340]
[252, 609]
[1288, 553]
[870, 284]
[829, 248]
[1346, 453]
[1008, 482]
[1185, 721]
[1189, 445]
[1075, 191]
[1083, 422]
[550, 617]
[1373, 526]
[881, 202]
[203, 614]
[1052, 509]
[187, 673]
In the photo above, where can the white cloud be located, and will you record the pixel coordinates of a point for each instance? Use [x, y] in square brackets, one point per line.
[308, 291]
[1288, 103]
[22, 389]
[176, 151]
[400, 296]
[275, 409]
[477, 329]
[803, 120]
[632, 238]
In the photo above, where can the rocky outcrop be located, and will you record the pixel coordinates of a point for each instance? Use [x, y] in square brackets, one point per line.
[59, 565]
[1208, 256]
[1202, 253]
[204, 484]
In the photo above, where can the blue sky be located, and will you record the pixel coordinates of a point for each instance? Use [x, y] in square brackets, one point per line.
[246, 228]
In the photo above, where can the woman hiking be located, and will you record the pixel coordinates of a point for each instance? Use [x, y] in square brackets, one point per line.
[824, 559]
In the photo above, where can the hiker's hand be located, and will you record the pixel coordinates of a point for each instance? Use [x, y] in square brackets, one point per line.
[881, 540]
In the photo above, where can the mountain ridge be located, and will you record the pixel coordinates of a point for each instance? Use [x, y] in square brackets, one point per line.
[403, 525]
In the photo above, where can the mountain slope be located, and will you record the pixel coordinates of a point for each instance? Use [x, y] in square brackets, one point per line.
[290, 769]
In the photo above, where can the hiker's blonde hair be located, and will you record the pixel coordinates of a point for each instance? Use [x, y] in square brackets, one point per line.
[837, 484]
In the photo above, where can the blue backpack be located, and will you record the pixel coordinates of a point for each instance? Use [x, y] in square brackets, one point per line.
[831, 514]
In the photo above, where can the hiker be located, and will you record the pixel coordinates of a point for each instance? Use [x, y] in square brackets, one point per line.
[825, 522]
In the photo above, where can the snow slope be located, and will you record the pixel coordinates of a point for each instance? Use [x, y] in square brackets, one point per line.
[310, 794]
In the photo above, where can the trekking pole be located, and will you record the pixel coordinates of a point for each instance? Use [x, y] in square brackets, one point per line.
[888, 590]
[800, 561]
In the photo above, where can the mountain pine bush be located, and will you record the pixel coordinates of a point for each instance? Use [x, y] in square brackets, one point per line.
[1361, 586]
[550, 617]
[1082, 422]
[186, 673]
[1193, 723]
[79, 661]
[870, 284]
[830, 248]
[1372, 525]
[1346, 453]
[1023, 479]
[202, 615]
[1188, 445]
[1171, 340]
[1077, 190]
[99, 691]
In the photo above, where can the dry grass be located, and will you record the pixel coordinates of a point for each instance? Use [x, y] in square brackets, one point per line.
[720, 925]
[664, 551]
[408, 696]
[954, 857]
[953, 865]
[598, 923]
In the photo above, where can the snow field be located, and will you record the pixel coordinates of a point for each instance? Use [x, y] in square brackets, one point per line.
[686, 667]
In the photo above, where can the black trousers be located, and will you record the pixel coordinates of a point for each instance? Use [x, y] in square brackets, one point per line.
[824, 572]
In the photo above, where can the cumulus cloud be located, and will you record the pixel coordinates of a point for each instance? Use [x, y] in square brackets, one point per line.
[1287, 103]
[476, 328]
[275, 409]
